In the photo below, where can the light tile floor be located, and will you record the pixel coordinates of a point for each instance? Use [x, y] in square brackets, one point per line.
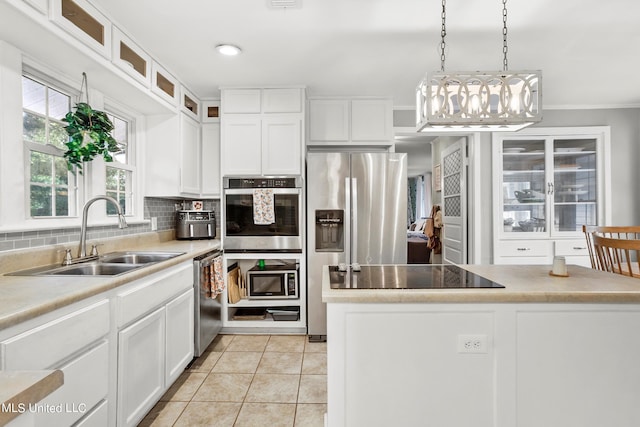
[249, 380]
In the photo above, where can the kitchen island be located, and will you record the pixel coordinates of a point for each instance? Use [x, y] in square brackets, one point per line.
[542, 351]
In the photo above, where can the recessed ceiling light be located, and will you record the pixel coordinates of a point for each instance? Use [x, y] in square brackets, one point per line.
[228, 49]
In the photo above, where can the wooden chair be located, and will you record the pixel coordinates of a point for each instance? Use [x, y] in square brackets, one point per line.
[621, 256]
[611, 231]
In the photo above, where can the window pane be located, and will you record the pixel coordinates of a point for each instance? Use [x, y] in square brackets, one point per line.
[59, 104]
[57, 135]
[62, 202]
[33, 96]
[62, 172]
[112, 179]
[41, 167]
[119, 129]
[40, 200]
[33, 128]
[111, 210]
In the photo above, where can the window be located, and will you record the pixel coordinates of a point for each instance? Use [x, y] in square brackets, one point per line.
[119, 173]
[52, 189]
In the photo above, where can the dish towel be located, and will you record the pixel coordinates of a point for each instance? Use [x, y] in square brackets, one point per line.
[263, 212]
[216, 280]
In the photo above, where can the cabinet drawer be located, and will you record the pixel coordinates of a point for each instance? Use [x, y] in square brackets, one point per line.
[98, 417]
[149, 294]
[86, 383]
[571, 247]
[43, 347]
[525, 248]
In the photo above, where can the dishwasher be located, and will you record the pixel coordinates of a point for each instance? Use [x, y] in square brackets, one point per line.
[207, 305]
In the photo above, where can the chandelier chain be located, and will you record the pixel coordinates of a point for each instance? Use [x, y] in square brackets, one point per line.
[505, 47]
[443, 33]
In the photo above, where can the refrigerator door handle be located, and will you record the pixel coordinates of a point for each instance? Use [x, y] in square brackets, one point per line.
[354, 221]
[347, 220]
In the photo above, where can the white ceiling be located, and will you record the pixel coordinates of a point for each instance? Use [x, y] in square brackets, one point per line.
[588, 50]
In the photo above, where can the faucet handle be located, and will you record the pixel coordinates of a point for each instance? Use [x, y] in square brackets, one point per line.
[67, 257]
[94, 249]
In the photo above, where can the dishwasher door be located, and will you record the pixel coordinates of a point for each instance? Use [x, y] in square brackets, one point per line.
[208, 310]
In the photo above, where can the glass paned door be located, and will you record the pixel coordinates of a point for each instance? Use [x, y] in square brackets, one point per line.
[574, 186]
[524, 186]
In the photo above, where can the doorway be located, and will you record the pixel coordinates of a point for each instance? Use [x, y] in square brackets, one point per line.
[424, 151]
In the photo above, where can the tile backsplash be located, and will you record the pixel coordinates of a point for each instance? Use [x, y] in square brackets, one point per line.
[161, 208]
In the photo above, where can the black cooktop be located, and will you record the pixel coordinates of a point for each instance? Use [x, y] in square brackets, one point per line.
[412, 276]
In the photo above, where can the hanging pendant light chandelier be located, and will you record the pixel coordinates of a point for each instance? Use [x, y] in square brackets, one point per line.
[478, 100]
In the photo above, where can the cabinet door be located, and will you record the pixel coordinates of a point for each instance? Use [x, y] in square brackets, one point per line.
[245, 101]
[141, 361]
[241, 145]
[282, 100]
[211, 159]
[281, 146]
[371, 120]
[190, 155]
[329, 120]
[179, 335]
[524, 187]
[574, 185]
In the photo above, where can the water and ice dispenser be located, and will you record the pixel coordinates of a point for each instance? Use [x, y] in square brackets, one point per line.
[330, 230]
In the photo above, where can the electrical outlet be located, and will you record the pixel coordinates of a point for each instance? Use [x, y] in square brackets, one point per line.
[154, 223]
[472, 344]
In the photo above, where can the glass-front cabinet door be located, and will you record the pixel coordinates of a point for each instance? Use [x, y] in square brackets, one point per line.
[574, 187]
[548, 185]
[524, 186]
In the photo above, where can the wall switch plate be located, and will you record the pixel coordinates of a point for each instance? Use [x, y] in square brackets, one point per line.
[472, 344]
[154, 223]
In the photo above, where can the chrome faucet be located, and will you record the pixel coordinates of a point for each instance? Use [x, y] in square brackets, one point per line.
[82, 250]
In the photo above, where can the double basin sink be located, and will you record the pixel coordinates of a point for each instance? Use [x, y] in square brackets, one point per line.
[111, 264]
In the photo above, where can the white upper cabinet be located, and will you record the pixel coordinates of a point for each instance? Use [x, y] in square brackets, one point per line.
[282, 101]
[211, 159]
[241, 101]
[190, 155]
[84, 22]
[329, 120]
[241, 145]
[128, 56]
[350, 121]
[281, 145]
[266, 142]
[371, 120]
[173, 156]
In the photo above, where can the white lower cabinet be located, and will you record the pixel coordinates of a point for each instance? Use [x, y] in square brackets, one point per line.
[119, 351]
[141, 359]
[179, 344]
[75, 340]
[155, 339]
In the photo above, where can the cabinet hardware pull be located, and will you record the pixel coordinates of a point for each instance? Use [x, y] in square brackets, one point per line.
[579, 248]
[524, 249]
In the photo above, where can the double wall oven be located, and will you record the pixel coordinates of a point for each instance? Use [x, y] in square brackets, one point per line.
[243, 231]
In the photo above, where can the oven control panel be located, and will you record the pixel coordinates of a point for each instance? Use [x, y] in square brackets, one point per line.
[263, 182]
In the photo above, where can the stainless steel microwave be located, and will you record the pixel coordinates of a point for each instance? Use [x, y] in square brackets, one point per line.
[273, 282]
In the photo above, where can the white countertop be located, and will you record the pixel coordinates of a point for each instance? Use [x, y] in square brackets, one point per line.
[26, 297]
[523, 284]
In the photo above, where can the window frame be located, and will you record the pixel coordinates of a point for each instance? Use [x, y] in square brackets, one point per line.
[131, 166]
[74, 182]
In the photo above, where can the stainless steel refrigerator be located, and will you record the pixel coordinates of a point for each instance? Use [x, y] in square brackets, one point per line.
[356, 213]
